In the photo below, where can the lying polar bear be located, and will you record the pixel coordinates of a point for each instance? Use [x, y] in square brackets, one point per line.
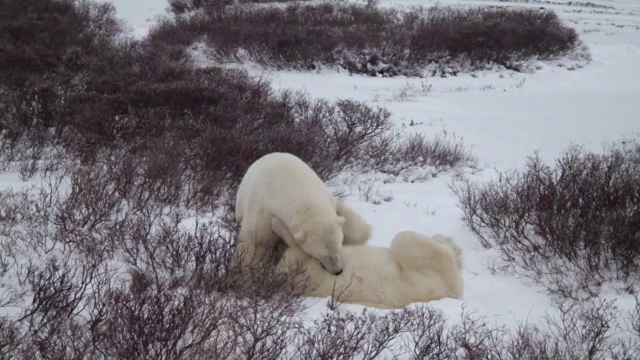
[415, 268]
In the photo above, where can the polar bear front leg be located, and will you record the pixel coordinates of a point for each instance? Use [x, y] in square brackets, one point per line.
[245, 252]
[282, 231]
[257, 243]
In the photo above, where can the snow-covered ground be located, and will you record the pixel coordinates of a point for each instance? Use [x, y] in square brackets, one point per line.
[503, 116]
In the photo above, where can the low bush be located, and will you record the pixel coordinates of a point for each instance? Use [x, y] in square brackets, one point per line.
[47, 47]
[180, 125]
[122, 246]
[397, 152]
[379, 41]
[579, 217]
[179, 7]
[141, 281]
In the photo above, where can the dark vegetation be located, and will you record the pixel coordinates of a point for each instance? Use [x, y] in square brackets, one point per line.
[574, 224]
[86, 90]
[120, 244]
[370, 39]
[180, 7]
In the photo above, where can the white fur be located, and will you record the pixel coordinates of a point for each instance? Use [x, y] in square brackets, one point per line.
[356, 230]
[415, 268]
[281, 186]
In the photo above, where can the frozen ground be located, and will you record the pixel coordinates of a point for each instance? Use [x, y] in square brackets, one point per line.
[504, 116]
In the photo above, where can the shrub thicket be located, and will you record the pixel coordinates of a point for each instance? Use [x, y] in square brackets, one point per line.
[147, 99]
[580, 216]
[47, 47]
[114, 253]
[179, 7]
[374, 40]
[96, 269]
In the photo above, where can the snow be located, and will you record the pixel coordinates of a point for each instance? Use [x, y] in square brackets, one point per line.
[139, 15]
[503, 116]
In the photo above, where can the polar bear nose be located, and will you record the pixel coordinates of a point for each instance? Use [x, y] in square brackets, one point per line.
[338, 272]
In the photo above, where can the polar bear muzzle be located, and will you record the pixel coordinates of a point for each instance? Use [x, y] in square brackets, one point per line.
[332, 264]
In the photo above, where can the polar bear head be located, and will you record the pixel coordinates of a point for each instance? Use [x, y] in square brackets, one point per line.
[321, 239]
[324, 246]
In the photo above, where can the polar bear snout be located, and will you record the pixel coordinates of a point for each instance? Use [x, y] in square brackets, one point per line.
[335, 272]
[332, 264]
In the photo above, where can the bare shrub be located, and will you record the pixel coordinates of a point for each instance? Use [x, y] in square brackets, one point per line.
[427, 335]
[575, 329]
[578, 330]
[9, 337]
[579, 216]
[122, 102]
[179, 7]
[40, 72]
[634, 319]
[162, 323]
[30, 58]
[585, 327]
[383, 41]
[396, 152]
[210, 148]
[213, 148]
[347, 336]
[418, 150]
[69, 240]
[504, 36]
[630, 348]
[339, 294]
[122, 246]
[163, 286]
[263, 329]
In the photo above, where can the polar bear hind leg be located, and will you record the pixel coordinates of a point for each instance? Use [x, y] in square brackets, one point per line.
[449, 243]
[414, 252]
[356, 230]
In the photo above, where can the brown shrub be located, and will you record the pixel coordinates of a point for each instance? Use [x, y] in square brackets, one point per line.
[182, 298]
[396, 152]
[379, 41]
[46, 47]
[179, 7]
[580, 216]
[187, 127]
[114, 251]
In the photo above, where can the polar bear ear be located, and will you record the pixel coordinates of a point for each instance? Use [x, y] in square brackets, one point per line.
[341, 220]
[300, 237]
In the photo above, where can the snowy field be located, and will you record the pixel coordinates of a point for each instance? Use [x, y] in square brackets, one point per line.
[503, 116]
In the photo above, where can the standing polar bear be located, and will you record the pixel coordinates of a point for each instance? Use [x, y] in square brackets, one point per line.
[415, 268]
[281, 186]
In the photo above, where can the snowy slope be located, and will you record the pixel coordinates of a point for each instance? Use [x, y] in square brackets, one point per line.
[504, 116]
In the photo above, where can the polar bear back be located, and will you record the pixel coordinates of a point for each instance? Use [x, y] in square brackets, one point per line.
[285, 185]
[280, 186]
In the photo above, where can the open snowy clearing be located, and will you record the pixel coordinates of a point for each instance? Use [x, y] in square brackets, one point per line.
[504, 116]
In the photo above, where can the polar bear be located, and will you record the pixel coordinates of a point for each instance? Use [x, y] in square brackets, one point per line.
[356, 231]
[282, 186]
[415, 268]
